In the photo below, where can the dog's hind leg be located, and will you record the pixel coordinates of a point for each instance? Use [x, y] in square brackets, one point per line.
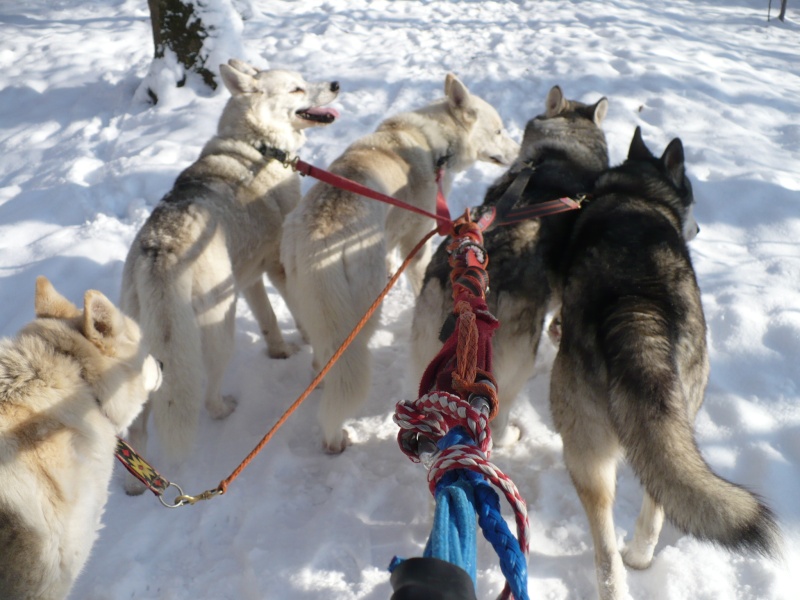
[591, 453]
[638, 554]
[257, 299]
[345, 392]
[415, 272]
[433, 306]
[515, 345]
[217, 333]
[277, 275]
[593, 473]
[509, 386]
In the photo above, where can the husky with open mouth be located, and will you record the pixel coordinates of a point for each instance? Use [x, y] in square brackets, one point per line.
[216, 234]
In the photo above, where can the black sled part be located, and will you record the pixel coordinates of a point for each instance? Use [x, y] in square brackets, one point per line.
[431, 579]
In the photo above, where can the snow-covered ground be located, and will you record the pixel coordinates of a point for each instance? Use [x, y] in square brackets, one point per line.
[84, 160]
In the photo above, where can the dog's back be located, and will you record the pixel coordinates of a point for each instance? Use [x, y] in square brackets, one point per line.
[566, 149]
[632, 368]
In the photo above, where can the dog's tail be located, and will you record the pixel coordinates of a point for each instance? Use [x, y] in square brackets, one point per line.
[653, 419]
[168, 323]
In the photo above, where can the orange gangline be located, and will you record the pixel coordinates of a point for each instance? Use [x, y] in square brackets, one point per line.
[223, 486]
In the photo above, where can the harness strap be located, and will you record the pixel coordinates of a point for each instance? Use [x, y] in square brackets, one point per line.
[503, 213]
[513, 192]
[499, 214]
[443, 220]
[542, 209]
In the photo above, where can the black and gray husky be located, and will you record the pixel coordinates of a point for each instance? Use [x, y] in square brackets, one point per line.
[566, 150]
[632, 367]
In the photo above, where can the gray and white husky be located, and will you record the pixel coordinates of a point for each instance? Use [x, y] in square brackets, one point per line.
[632, 367]
[566, 149]
[215, 234]
[336, 243]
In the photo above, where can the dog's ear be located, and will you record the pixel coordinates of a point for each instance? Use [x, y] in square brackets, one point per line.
[674, 162]
[236, 81]
[102, 320]
[638, 151]
[49, 304]
[456, 92]
[555, 102]
[600, 110]
[459, 99]
[243, 67]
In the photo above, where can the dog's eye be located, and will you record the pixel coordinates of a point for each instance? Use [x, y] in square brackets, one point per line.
[298, 90]
[498, 132]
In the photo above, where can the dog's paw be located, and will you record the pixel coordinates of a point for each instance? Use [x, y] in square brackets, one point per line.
[225, 406]
[284, 350]
[337, 446]
[637, 558]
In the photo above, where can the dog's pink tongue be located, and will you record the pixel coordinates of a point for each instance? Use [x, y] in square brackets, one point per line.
[323, 111]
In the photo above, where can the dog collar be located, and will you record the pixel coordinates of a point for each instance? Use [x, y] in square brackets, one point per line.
[271, 152]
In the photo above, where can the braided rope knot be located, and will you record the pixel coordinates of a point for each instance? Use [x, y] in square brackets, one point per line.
[433, 416]
[447, 427]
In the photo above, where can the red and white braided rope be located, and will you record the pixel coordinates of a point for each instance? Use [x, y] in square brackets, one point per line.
[436, 413]
[433, 415]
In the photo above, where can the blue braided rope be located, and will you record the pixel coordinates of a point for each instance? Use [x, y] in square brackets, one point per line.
[496, 531]
[459, 495]
[453, 535]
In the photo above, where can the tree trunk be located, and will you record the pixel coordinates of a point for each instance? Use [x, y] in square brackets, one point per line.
[783, 10]
[178, 27]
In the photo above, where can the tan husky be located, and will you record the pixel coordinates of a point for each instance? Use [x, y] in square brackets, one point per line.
[70, 382]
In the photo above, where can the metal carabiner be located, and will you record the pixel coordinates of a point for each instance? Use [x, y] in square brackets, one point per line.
[178, 501]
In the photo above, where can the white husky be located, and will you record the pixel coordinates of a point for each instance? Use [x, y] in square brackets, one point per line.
[336, 243]
[216, 233]
[70, 382]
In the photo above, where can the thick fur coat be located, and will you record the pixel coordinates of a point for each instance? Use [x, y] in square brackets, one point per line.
[70, 382]
[632, 368]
